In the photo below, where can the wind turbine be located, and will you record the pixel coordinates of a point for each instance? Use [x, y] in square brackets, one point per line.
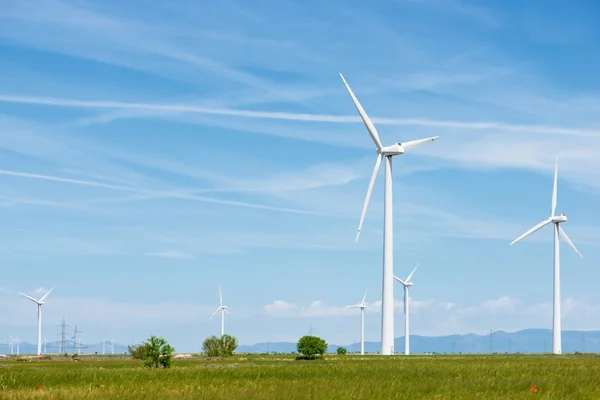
[16, 341]
[387, 296]
[11, 344]
[406, 283]
[39, 303]
[362, 305]
[556, 220]
[223, 310]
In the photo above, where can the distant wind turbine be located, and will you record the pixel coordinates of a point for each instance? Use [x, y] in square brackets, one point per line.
[387, 298]
[223, 310]
[39, 303]
[556, 220]
[11, 344]
[362, 305]
[406, 283]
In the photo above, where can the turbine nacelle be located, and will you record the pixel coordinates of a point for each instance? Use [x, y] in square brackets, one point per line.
[394, 150]
[559, 218]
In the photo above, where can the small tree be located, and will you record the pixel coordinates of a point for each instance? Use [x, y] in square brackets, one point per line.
[223, 346]
[157, 353]
[342, 351]
[212, 346]
[228, 345]
[311, 346]
[137, 351]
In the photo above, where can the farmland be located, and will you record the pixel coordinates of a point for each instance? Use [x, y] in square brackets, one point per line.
[283, 377]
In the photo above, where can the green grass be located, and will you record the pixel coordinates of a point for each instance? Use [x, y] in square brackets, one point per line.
[282, 377]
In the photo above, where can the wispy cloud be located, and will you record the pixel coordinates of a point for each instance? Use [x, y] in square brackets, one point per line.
[302, 117]
[171, 254]
[177, 194]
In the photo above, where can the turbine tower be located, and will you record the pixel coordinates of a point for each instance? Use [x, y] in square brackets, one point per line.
[387, 295]
[39, 303]
[223, 310]
[406, 283]
[362, 305]
[556, 220]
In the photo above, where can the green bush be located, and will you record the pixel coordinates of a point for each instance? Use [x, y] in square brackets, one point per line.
[137, 351]
[342, 351]
[157, 353]
[311, 346]
[223, 346]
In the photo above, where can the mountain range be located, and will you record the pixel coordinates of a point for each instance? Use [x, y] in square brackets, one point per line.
[524, 341]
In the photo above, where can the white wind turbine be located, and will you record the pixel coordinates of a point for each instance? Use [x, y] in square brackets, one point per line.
[16, 341]
[223, 310]
[39, 303]
[556, 220]
[387, 297]
[11, 344]
[362, 305]
[406, 283]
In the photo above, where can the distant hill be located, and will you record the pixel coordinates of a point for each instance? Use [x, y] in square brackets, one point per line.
[525, 341]
[53, 347]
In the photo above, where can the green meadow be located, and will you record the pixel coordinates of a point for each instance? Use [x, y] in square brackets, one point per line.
[284, 377]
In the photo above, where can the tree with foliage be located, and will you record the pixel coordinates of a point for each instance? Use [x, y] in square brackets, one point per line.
[228, 345]
[157, 353]
[137, 351]
[311, 346]
[223, 346]
[342, 351]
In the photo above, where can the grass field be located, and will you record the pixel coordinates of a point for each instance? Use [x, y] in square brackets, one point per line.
[283, 377]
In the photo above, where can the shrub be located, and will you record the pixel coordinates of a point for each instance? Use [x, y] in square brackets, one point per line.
[137, 351]
[223, 346]
[157, 353]
[311, 346]
[342, 351]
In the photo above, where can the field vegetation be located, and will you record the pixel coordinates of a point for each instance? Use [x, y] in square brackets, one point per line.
[285, 377]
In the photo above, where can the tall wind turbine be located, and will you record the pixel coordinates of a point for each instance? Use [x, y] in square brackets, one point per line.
[362, 305]
[39, 303]
[556, 220]
[223, 310]
[406, 283]
[387, 296]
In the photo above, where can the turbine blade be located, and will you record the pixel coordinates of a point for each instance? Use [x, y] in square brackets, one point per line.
[414, 143]
[29, 297]
[226, 312]
[369, 192]
[535, 228]
[218, 309]
[554, 188]
[220, 296]
[364, 297]
[363, 116]
[46, 295]
[399, 280]
[564, 235]
[411, 274]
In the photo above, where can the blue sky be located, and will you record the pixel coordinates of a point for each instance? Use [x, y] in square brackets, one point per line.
[150, 152]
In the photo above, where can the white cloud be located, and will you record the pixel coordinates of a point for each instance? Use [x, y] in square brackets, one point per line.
[172, 254]
[502, 304]
[423, 122]
[433, 317]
